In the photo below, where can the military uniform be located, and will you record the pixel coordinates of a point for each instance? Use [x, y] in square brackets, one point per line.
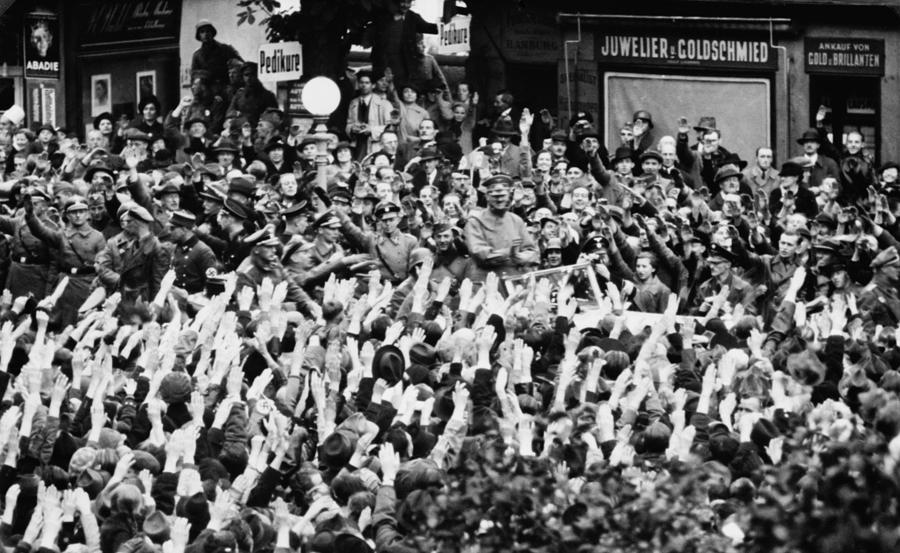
[76, 249]
[390, 252]
[739, 292]
[190, 262]
[133, 267]
[29, 271]
[253, 274]
[486, 232]
[879, 302]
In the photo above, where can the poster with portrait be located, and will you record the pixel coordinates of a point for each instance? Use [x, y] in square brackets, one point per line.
[42, 52]
[144, 85]
[101, 94]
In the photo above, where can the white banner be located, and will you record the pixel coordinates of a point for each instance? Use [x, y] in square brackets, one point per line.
[453, 36]
[282, 61]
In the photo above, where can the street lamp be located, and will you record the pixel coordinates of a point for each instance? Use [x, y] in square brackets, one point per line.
[321, 97]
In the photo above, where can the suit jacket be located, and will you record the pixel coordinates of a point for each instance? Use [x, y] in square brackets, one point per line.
[378, 119]
[824, 167]
[394, 42]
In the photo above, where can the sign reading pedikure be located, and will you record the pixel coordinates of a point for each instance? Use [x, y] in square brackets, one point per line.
[281, 61]
[845, 56]
[696, 51]
[453, 36]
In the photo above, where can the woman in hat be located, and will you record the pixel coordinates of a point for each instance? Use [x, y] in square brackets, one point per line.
[344, 165]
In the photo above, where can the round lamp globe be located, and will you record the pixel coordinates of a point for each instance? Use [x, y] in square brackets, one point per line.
[321, 96]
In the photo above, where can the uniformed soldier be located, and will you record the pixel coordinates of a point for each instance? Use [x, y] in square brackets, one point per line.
[498, 240]
[879, 303]
[29, 271]
[76, 249]
[390, 247]
[134, 261]
[264, 262]
[327, 256]
[191, 258]
[231, 250]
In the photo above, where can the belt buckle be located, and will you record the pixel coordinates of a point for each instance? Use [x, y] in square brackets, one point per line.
[23, 259]
[74, 270]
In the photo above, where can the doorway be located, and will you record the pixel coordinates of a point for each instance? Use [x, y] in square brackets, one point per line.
[852, 104]
[532, 85]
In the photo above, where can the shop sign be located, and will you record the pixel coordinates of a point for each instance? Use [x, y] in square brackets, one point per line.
[529, 38]
[843, 56]
[282, 61]
[453, 36]
[691, 51]
[42, 102]
[41, 46]
[113, 22]
[295, 98]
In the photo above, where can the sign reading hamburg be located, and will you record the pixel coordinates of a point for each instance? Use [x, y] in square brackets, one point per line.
[660, 49]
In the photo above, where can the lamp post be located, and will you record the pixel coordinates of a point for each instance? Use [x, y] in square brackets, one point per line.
[321, 97]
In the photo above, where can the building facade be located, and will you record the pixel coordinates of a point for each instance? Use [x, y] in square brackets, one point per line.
[762, 68]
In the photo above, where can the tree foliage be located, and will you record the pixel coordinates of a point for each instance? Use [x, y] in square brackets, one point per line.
[327, 27]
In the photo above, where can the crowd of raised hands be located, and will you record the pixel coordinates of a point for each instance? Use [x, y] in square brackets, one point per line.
[395, 424]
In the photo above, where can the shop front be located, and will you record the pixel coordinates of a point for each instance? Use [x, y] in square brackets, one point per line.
[675, 70]
[762, 78]
[31, 62]
[127, 50]
[845, 78]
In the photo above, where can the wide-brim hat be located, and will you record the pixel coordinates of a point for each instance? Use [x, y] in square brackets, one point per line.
[734, 159]
[726, 173]
[889, 165]
[236, 209]
[428, 153]
[504, 127]
[388, 364]
[98, 167]
[622, 152]
[810, 135]
[101, 117]
[225, 145]
[707, 122]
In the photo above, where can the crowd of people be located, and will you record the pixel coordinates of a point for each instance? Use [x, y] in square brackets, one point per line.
[204, 350]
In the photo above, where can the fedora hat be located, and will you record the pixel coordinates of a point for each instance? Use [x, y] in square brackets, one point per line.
[811, 135]
[388, 364]
[504, 126]
[706, 123]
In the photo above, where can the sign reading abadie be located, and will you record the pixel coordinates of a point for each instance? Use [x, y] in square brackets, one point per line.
[281, 61]
[668, 50]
